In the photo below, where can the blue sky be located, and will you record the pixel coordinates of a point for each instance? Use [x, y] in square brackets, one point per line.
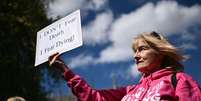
[109, 26]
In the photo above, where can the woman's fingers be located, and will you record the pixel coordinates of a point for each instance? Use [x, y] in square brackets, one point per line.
[56, 62]
[52, 58]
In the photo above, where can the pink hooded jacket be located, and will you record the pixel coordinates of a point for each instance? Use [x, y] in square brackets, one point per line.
[155, 87]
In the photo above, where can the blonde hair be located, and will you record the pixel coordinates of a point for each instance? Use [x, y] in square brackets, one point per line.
[16, 98]
[158, 42]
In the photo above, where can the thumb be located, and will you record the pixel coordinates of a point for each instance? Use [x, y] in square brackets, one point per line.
[52, 58]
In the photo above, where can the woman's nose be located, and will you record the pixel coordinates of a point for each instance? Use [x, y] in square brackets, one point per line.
[137, 56]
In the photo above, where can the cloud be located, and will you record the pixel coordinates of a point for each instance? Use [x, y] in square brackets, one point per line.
[188, 46]
[81, 60]
[96, 32]
[165, 17]
[97, 4]
[133, 71]
[126, 74]
[60, 8]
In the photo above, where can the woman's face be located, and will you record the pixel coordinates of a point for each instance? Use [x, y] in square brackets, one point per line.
[147, 59]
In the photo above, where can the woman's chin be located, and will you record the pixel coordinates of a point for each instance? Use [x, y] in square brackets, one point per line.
[142, 69]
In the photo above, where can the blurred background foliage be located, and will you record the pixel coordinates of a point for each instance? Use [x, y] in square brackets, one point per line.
[19, 22]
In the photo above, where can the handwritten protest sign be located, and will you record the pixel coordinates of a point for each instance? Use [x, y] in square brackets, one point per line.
[61, 36]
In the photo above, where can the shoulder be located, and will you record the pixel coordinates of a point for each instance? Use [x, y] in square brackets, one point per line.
[186, 81]
[182, 76]
[187, 89]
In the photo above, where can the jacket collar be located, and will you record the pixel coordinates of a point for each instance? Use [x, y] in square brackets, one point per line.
[157, 74]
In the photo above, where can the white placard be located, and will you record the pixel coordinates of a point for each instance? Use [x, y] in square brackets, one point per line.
[61, 36]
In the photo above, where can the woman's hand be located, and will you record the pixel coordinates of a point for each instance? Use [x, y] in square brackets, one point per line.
[55, 61]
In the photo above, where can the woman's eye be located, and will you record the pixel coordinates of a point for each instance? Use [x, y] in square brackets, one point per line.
[143, 48]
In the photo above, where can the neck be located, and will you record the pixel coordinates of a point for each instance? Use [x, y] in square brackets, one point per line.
[148, 72]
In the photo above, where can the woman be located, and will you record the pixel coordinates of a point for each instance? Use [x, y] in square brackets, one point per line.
[163, 77]
[16, 98]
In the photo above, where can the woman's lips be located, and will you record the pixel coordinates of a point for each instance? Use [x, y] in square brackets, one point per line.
[139, 62]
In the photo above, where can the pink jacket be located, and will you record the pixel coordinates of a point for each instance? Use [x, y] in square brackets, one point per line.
[155, 87]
